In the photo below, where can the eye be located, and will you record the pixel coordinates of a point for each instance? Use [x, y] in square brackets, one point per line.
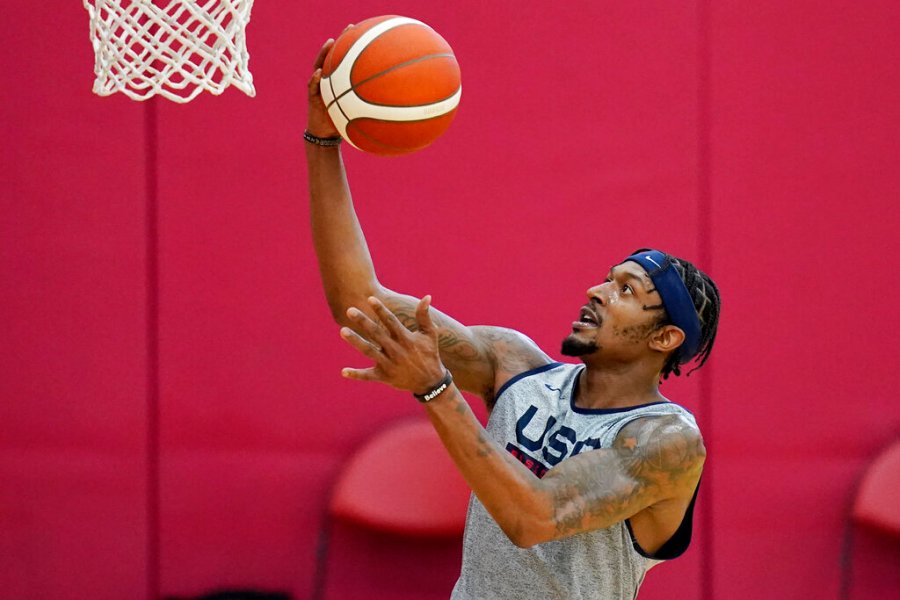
[627, 289]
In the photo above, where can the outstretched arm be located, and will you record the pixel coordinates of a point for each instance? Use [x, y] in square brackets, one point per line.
[344, 261]
[653, 460]
[481, 358]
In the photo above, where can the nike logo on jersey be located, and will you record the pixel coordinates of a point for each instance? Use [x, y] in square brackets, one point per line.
[557, 390]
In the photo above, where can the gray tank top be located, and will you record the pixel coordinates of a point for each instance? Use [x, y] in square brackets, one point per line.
[535, 419]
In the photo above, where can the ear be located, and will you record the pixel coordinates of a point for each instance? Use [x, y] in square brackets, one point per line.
[667, 338]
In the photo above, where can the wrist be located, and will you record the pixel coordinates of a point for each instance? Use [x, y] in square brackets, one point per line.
[437, 389]
[326, 142]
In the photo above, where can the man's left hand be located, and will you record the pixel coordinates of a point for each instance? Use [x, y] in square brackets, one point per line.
[407, 360]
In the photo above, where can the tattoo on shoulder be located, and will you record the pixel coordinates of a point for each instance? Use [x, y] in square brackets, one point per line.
[512, 351]
[661, 450]
[654, 455]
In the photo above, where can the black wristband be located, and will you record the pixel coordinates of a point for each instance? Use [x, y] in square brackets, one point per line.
[320, 141]
[437, 390]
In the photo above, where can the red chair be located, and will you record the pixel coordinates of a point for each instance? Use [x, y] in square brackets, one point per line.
[877, 503]
[395, 522]
[871, 550]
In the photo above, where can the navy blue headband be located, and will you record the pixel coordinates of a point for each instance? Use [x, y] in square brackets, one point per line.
[675, 297]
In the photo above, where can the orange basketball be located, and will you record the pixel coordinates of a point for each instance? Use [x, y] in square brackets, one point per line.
[391, 85]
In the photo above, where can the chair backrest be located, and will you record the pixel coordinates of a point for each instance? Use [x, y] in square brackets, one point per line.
[877, 503]
[395, 520]
[403, 482]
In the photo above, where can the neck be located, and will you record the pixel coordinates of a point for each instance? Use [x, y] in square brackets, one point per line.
[617, 386]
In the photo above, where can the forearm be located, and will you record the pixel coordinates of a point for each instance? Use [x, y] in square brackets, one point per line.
[345, 265]
[518, 501]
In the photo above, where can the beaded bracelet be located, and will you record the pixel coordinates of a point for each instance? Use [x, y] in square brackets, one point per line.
[320, 141]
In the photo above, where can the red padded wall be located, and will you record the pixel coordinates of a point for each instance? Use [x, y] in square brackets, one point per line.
[173, 421]
[73, 378]
[804, 144]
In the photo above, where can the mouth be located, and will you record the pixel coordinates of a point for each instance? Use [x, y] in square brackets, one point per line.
[587, 319]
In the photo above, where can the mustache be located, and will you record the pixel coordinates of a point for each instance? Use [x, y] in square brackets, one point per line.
[590, 311]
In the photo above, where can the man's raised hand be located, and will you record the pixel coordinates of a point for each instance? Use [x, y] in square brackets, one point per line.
[407, 360]
[318, 122]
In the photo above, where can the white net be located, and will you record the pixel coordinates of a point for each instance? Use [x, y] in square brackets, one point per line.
[174, 48]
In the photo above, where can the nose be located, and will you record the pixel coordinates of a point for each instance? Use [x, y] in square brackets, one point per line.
[597, 294]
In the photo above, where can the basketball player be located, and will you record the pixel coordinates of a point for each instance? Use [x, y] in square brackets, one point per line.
[586, 475]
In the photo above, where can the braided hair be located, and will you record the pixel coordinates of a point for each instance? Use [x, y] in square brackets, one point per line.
[705, 296]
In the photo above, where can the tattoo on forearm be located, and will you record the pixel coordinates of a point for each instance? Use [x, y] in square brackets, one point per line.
[485, 447]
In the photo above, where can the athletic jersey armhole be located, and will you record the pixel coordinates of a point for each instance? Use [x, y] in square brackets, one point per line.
[676, 545]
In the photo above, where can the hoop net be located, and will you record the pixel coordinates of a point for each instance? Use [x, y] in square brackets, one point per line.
[174, 48]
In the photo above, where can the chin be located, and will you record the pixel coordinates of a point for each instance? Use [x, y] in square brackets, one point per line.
[572, 346]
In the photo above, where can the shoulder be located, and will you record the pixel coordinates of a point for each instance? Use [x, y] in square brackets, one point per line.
[665, 449]
[511, 349]
[510, 352]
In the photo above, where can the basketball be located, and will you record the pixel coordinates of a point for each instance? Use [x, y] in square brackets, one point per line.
[391, 85]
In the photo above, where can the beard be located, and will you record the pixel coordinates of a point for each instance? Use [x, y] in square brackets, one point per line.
[572, 346]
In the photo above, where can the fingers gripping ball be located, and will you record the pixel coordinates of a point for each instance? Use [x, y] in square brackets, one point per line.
[391, 85]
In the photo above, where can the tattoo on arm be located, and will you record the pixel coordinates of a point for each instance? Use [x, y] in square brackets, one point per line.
[508, 348]
[651, 460]
[511, 353]
[659, 453]
[479, 356]
[448, 340]
[485, 447]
